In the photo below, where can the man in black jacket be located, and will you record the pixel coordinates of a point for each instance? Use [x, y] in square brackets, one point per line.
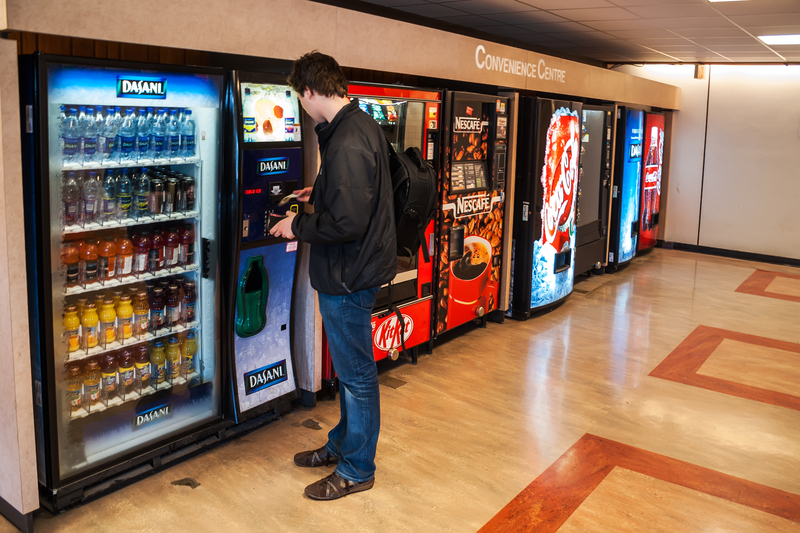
[353, 253]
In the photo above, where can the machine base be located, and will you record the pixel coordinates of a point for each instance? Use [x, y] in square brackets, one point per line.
[23, 522]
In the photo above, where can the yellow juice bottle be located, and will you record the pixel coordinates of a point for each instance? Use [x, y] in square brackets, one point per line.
[159, 361]
[173, 358]
[125, 318]
[90, 324]
[108, 321]
[72, 326]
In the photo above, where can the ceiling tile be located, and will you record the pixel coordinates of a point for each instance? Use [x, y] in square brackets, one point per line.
[730, 33]
[600, 13]
[727, 41]
[673, 11]
[527, 17]
[642, 34]
[768, 20]
[638, 3]
[484, 7]
[633, 24]
[757, 8]
[557, 27]
[694, 22]
[395, 3]
[596, 36]
[431, 10]
[471, 21]
[573, 4]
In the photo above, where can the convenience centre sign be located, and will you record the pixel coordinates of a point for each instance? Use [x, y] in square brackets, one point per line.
[538, 70]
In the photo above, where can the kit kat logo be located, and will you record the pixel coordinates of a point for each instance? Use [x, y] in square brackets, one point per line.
[152, 415]
[141, 87]
[388, 334]
[273, 165]
[264, 377]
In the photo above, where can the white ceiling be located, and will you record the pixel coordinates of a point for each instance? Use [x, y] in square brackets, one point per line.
[628, 31]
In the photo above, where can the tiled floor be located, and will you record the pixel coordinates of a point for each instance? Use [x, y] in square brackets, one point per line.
[592, 391]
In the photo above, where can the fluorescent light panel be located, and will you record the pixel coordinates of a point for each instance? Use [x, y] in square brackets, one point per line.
[780, 39]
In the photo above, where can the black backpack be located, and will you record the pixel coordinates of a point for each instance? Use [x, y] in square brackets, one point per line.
[414, 186]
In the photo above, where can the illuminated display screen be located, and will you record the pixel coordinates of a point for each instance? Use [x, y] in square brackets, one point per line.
[270, 113]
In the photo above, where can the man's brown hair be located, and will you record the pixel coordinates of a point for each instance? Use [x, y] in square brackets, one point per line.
[319, 73]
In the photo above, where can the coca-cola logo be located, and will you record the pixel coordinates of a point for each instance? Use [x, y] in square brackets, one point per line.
[557, 208]
[467, 125]
[388, 334]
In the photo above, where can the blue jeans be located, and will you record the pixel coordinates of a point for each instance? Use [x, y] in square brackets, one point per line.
[348, 326]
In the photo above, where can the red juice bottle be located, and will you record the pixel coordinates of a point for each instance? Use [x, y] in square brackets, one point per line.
[186, 252]
[124, 256]
[156, 310]
[158, 249]
[141, 254]
[172, 243]
[189, 302]
[173, 315]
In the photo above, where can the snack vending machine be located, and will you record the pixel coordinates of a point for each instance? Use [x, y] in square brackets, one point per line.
[594, 186]
[651, 180]
[410, 118]
[543, 263]
[265, 166]
[122, 228]
[624, 236]
[470, 227]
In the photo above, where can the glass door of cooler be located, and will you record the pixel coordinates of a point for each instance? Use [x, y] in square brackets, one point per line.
[130, 183]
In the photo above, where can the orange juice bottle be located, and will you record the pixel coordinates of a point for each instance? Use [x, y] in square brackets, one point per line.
[90, 324]
[125, 318]
[173, 354]
[74, 387]
[109, 373]
[108, 321]
[159, 361]
[72, 325]
[91, 382]
[141, 311]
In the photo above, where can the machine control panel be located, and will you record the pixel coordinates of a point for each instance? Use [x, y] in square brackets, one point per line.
[267, 177]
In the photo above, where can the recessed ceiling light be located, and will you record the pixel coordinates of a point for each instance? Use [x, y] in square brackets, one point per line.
[780, 39]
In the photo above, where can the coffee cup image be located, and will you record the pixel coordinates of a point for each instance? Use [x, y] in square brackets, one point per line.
[470, 274]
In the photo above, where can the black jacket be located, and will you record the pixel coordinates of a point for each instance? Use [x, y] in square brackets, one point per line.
[351, 232]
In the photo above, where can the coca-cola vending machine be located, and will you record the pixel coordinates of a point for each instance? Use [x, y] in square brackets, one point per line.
[624, 234]
[410, 118]
[543, 258]
[651, 180]
[472, 187]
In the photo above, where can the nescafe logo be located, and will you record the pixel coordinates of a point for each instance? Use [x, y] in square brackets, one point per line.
[388, 334]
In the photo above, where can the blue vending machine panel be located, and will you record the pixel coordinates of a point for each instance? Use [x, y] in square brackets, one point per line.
[268, 176]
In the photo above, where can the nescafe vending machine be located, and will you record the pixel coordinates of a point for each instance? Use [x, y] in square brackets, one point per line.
[651, 180]
[410, 118]
[265, 165]
[471, 213]
[545, 227]
[624, 236]
[594, 187]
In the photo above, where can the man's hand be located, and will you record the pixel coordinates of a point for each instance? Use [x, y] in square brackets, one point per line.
[303, 194]
[284, 227]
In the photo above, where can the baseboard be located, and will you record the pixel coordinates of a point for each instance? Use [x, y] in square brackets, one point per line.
[22, 521]
[734, 254]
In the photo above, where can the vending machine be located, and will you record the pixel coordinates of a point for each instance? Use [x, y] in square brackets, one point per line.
[470, 225]
[548, 159]
[651, 180]
[265, 166]
[594, 187]
[122, 181]
[624, 236]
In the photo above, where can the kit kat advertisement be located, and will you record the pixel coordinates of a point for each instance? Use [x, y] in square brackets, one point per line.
[651, 182]
[471, 219]
[559, 176]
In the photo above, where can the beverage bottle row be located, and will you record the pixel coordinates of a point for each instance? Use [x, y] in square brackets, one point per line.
[98, 135]
[102, 196]
[122, 254]
[126, 316]
[145, 367]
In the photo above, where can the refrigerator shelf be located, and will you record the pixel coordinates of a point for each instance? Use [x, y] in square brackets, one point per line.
[128, 164]
[117, 401]
[128, 222]
[163, 273]
[116, 345]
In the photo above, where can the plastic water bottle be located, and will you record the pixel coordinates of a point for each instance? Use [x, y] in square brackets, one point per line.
[89, 197]
[142, 136]
[127, 137]
[123, 191]
[141, 194]
[108, 203]
[249, 117]
[70, 137]
[108, 137]
[71, 194]
[90, 137]
[62, 115]
[188, 146]
[159, 134]
[174, 134]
